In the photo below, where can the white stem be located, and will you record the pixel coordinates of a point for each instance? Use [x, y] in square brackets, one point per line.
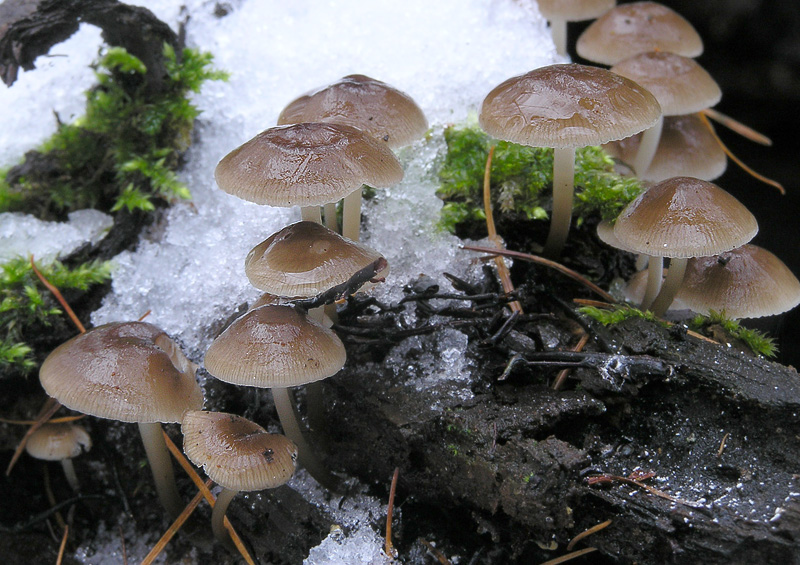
[647, 148]
[558, 28]
[311, 214]
[330, 217]
[642, 261]
[69, 472]
[655, 271]
[161, 467]
[563, 187]
[677, 268]
[351, 215]
[287, 413]
[218, 516]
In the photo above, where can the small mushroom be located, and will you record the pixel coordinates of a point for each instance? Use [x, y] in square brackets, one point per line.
[60, 442]
[238, 455]
[559, 12]
[129, 372]
[565, 107]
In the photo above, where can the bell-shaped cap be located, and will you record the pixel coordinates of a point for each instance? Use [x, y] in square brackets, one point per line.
[126, 371]
[567, 105]
[54, 442]
[275, 346]
[684, 217]
[370, 105]
[638, 27]
[308, 164]
[236, 453]
[305, 259]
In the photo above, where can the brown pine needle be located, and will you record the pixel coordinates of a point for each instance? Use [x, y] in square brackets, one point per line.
[564, 373]
[569, 556]
[547, 263]
[176, 453]
[737, 126]
[738, 161]
[122, 543]
[175, 526]
[586, 533]
[145, 315]
[49, 408]
[63, 546]
[59, 297]
[596, 479]
[389, 549]
[502, 268]
[722, 444]
[62, 420]
[438, 554]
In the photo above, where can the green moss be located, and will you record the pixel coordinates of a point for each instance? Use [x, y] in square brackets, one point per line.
[124, 151]
[26, 305]
[757, 341]
[620, 313]
[521, 180]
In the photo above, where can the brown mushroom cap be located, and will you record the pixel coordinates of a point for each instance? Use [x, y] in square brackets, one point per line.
[308, 164]
[275, 346]
[629, 29]
[305, 259]
[680, 84]
[370, 105]
[686, 148]
[567, 105]
[684, 217]
[126, 371]
[236, 453]
[574, 10]
[748, 282]
[54, 442]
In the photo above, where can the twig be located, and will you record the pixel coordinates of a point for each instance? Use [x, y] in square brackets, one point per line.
[586, 533]
[564, 373]
[122, 544]
[389, 548]
[63, 546]
[16, 528]
[49, 408]
[569, 556]
[722, 444]
[547, 263]
[737, 126]
[597, 479]
[59, 297]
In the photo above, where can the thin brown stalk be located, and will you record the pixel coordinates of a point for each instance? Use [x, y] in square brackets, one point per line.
[564, 373]
[737, 126]
[547, 263]
[389, 548]
[62, 420]
[49, 408]
[633, 482]
[569, 556]
[59, 297]
[441, 557]
[722, 444]
[122, 544]
[587, 533]
[63, 546]
[735, 159]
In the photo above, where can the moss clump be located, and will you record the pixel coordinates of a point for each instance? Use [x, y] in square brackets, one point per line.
[124, 151]
[522, 179]
[618, 314]
[26, 306]
[756, 341]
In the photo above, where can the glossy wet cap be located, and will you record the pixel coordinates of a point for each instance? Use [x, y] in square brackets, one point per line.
[567, 105]
[304, 260]
[748, 282]
[686, 148]
[275, 346]
[54, 442]
[574, 10]
[308, 164]
[236, 453]
[684, 217]
[680, 84]
[370, 105]
[126, 371]
[638, 27]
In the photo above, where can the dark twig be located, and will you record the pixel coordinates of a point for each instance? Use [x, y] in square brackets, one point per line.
[21, 527]
[350, 286]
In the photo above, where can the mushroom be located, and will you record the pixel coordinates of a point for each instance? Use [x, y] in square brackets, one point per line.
[748, 282]
[238, 455]
[277, 347]
[374, 107]
[129, 372]
[307, 165]
[565, 107]
[60, 442]
[680, 218]
[630, 29]
[680, 85]
[559, 12]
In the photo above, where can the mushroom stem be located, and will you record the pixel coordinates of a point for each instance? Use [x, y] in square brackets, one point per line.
[69, 473]
[655, 271]
[287, 414]
[330, 217]
[563, 187]
[677, 268]
[218, 517]
[647, 148]
[311, 214]
[351, 215]
[558, 29]
[161, 467]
